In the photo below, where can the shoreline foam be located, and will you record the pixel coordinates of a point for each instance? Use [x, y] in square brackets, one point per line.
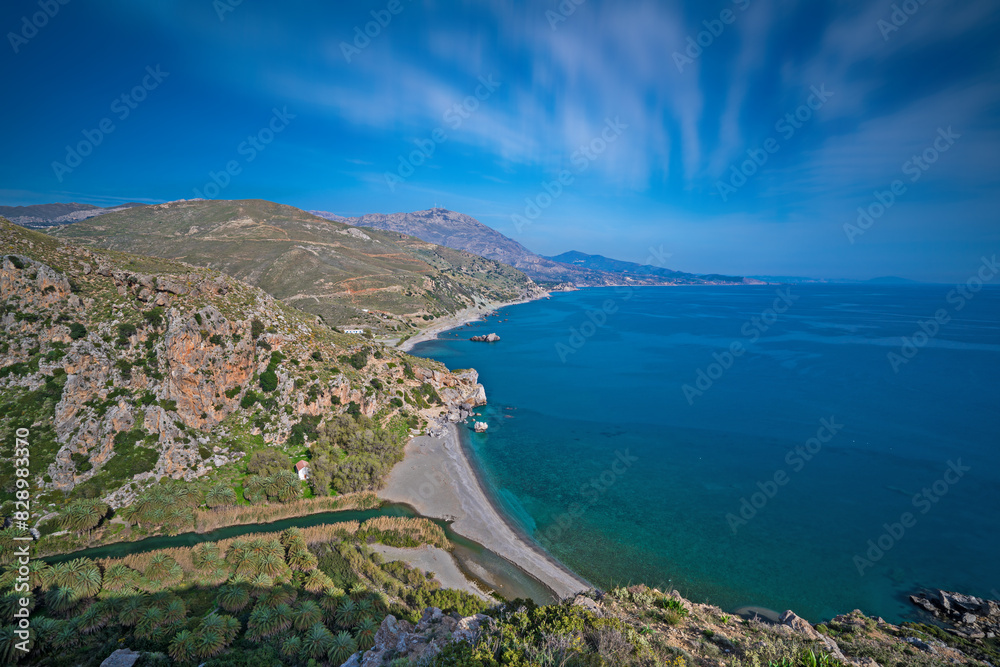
[437, 479]
[460, 319]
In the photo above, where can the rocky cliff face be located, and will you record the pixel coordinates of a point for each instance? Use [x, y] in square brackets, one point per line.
[157, 355]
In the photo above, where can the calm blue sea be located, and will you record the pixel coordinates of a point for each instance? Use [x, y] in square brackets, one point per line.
[806, 472]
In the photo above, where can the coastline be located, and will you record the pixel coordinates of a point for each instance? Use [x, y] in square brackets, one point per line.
[460, 319]
[437, 479]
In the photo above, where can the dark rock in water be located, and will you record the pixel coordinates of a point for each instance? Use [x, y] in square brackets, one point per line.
[490, 338]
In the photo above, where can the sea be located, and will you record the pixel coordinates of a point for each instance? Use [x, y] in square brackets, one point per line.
[814, 447]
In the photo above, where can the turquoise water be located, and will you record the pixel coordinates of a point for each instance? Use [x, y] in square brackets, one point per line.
[596, 451]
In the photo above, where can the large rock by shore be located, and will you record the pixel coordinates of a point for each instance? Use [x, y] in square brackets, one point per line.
[488, 338]
[971, 617]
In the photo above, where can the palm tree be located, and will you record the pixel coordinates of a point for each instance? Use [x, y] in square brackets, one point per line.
[120, 578]
[174, 611]
[261, 583]
[283, 617]
[163, 571]
[60, 599]
[231, 629]
[291, 647]
[285, 486]
[317, 641]
[220, 496]
[266, 621]
[316, 581]
[81, 576]
[342, 648]
[94, 618]
[227, 626]
[366, 608]
[208, 642]
[359, 590]
[233, 597]
[347, 613]
[67, 636]
[206, 555]
[83, 515]
[150, 620]
[47, 629]
[274, 596]
[271, 564]
[302, 560]
[365, 634]
[11, 603]
[254, 489]
[307, 614]
[39, 574]
[131, 610]
[290, 536]
[259, 623]
[330, 600]
[9, 653]
[182, 647]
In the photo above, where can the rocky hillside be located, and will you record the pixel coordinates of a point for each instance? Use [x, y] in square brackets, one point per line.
[128, 369]
[456, 230]
[642, 626]
[387, 282]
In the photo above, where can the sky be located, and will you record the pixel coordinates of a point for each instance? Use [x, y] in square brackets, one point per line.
[815, 137]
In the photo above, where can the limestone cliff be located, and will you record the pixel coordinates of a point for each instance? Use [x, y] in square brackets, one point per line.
[115, 354]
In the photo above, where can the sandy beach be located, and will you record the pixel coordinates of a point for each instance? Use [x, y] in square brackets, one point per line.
[431, 559]
[461, 318]
[437, 479]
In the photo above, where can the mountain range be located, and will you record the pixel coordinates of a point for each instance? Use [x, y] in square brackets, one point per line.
[385, 281]
[40, 216]
[463, 232]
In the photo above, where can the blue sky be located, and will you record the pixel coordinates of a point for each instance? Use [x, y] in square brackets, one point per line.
[643, 129]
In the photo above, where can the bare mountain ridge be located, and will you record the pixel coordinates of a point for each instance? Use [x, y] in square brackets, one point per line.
[375, 279]
[463, 232]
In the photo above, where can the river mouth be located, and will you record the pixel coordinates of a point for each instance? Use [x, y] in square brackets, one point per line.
[489, 570]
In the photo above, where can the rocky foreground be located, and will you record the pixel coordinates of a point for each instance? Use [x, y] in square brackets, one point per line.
[641, 626]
